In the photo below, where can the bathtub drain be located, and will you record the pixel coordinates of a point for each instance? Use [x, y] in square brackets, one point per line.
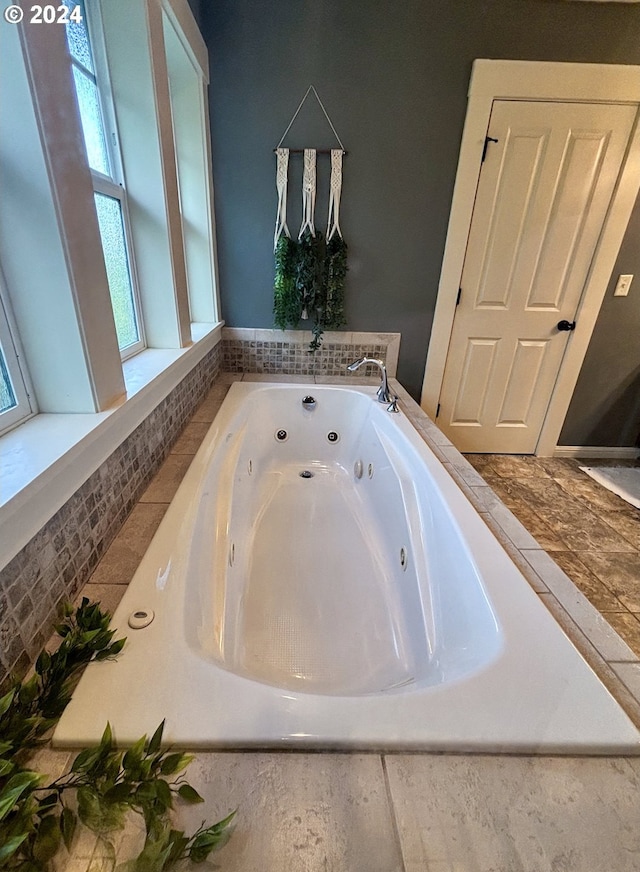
[306, 474]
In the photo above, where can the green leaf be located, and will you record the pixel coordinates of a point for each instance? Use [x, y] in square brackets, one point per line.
[6, 701]
[47, 839]
[133, 757]
[163, 794]
[85, 760]
[173, 763]
[156, 739]
[146, 792]
[47, 802]
[117, 647]
[14, 788]
[29, 691]
[178, 842]
[118, 793]
[189, 793]
[97, 815]
[213, 837]
[153, 856]
[88, 807]
[68, 823]
[11, 846]
[6, 766]
[43, 663]
[106, 742]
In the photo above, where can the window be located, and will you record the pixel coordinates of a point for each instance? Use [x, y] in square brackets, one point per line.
[188, 104]
[98, 127]
[15, 404]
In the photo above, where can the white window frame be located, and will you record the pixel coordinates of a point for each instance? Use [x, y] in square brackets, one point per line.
[13, 359]
[114, 185]
[87, 398]
[191, 138]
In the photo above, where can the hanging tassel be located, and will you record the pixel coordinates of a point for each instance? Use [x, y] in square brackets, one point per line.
[282, 170]
[308, 193]
[335, 190]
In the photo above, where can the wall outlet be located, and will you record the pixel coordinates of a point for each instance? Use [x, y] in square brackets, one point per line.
[622, 288]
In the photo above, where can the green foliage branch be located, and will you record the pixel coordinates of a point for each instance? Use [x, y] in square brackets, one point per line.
[310, 277]
[287, 306]
[103, 785]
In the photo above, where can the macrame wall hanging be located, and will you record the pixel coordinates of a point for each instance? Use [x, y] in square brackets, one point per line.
[310, 271]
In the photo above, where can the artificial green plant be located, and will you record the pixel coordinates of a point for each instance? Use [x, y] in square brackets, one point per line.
[104, 785]
[309, 283]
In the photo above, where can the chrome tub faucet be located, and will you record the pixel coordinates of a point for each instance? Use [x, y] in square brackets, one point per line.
[383, 391]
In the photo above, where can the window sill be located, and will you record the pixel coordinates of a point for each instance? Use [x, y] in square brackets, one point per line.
[46, 459]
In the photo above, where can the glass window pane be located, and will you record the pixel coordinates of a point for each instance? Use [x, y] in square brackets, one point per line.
[115, 257]
[78, 36]
[7, 396]
[91, 117]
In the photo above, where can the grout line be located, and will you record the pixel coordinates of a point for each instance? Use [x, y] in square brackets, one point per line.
[392, 811]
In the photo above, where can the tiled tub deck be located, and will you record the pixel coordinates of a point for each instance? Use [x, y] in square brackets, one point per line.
[354, 812]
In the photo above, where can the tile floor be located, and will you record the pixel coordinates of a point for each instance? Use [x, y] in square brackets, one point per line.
[354, 812]
[591, 533]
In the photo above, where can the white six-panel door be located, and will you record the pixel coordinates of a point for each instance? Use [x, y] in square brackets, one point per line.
[542, 198]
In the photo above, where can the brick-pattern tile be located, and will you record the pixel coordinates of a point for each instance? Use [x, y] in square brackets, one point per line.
[331, 359]
[63, 555]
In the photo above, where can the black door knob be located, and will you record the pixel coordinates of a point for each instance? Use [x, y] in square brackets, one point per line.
[566, 325]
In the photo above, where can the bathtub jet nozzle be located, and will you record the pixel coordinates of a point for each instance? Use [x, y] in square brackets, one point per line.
[384, 395]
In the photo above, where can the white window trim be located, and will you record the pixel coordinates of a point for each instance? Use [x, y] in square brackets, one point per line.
[44, 461]
[532, 80]
[14, 360]
[114, 185]
[187, 97]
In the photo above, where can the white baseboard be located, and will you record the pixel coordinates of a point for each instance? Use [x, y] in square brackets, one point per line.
[630, 453]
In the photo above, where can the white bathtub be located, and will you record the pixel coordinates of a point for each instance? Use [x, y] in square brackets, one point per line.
[362, 604]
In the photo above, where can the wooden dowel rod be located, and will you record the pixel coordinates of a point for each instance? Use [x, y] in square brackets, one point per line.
[318, 150]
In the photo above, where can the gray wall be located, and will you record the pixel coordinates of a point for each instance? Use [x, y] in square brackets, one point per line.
[605, 409]
[196, 9]
[393, 77]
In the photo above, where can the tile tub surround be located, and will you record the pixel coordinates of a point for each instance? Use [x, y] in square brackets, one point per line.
[591, 533]
[246, 350]
[398, 812]
[61, 557]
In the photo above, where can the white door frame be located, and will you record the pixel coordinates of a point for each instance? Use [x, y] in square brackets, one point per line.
[534, 80]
